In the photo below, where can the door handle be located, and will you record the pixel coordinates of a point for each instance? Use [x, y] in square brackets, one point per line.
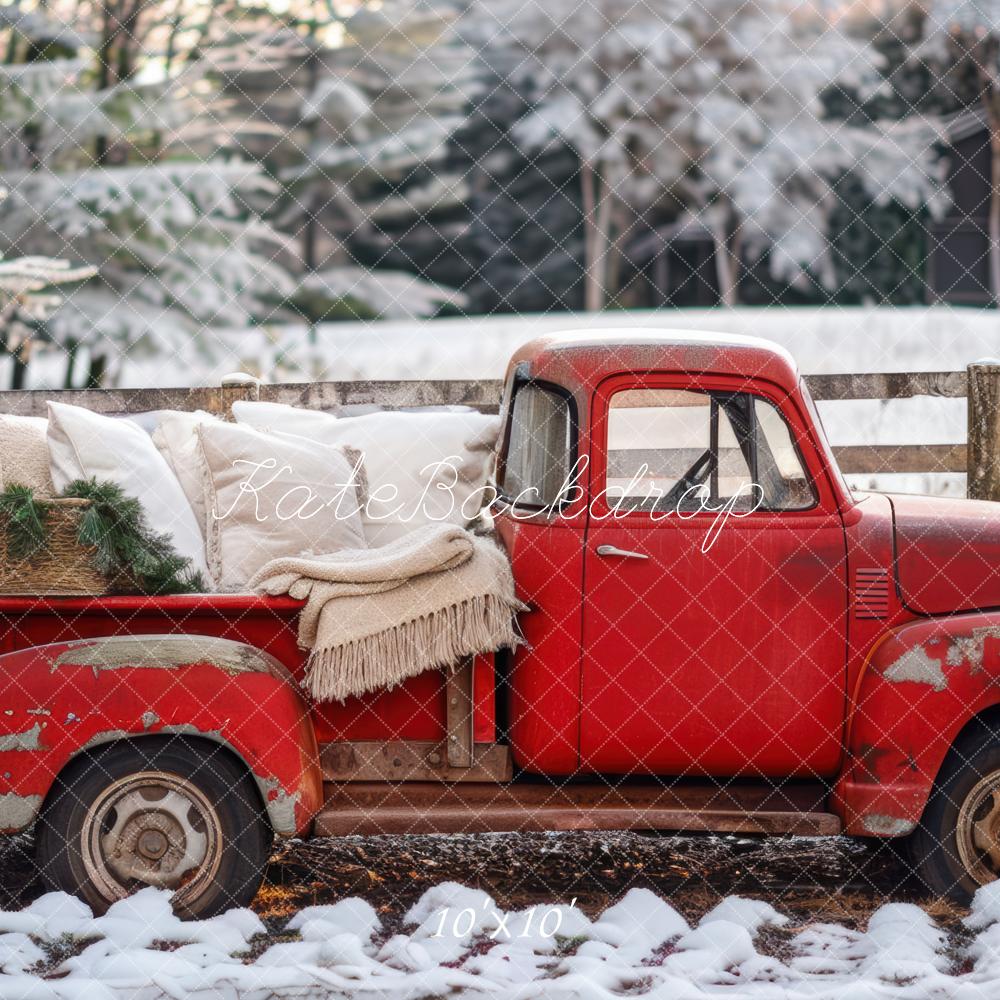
[611, 550]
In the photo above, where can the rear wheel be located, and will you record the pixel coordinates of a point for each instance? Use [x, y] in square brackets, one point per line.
[165, 813]
[956, 848]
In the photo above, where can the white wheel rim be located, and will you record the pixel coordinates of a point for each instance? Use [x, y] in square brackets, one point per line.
[151, 828]
[978, 830]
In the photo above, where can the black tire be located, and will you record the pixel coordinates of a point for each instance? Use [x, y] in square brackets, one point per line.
[945, 850]
[138, 813]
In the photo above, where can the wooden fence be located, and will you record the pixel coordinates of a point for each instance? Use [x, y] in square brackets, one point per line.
[979, 383]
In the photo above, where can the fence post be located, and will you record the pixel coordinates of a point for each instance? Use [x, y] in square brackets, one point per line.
[983, 453]
[237, 387]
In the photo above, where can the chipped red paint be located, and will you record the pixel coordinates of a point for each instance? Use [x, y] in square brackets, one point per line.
[922, 684]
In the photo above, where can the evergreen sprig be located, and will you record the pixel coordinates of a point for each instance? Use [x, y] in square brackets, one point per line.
[24, 520]
[114, 526]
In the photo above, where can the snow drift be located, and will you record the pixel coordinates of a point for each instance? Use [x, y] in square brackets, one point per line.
[456, 941]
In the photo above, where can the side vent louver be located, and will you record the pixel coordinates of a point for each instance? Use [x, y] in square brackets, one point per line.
[871, 593]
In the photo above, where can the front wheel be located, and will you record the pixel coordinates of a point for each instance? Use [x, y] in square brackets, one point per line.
[956, 848]
[164, 813]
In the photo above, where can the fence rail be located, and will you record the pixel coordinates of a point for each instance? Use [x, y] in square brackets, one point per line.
[979, 383]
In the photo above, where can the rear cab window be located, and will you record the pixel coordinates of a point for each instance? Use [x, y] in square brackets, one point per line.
[535, 469]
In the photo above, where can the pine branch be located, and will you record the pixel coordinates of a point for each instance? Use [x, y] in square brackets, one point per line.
[24, 521]
[124, 544]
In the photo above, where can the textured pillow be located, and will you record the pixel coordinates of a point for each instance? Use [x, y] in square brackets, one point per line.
[176, 439]
[270, 495]
[84, 445]
[24, 454]
[421, 467]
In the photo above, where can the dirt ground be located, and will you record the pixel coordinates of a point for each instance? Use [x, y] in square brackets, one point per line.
[808, 879]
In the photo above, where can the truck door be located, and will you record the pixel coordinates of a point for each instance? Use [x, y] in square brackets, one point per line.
[715, 585]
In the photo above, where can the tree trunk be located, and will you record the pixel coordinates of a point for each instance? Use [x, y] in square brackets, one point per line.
[95, 373]
[725, 266]
[314, 198]
[994, 214]
[596, 224]
[18, 371]
[984, 54]
[71, 349]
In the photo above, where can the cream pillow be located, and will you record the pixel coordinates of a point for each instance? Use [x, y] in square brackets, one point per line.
[176, 439]
[269, 496]
[421, 467]
[24, 454]
[84, 445]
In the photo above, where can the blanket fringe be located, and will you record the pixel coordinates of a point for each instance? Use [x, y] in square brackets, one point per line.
[440, 639]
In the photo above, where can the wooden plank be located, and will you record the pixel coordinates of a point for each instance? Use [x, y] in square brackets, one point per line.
[480, 394]
[459, 721]
[32, 402]
[984, 432]
[411, 760]
[872, 459]
[887, 385]
[474, 808]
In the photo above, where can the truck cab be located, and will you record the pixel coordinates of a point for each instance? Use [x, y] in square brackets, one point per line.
[718, 634]
[710, 600]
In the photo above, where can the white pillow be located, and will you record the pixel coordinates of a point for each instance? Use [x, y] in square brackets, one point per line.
[84, 445]
[269, 496]
[24, 454]
[421, 467]
[176, 439]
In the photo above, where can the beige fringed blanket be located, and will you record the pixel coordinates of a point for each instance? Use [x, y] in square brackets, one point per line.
[374, 617]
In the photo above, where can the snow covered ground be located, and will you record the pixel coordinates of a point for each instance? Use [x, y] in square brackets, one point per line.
[830, 339]
[456, 941]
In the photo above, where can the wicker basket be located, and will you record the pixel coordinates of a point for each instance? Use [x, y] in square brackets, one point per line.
[62, 566]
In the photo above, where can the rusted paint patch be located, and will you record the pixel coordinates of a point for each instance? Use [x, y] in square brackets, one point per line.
[887, 826]
[915, 665]
[868, 758]
[18, 811]
[169, 652]
[280, 805]
[30, 739]
[969, 648]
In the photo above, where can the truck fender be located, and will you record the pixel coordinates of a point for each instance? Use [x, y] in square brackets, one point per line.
[921, 684]
[62, 700]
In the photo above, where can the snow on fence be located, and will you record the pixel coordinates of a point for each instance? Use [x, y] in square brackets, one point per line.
[978, 457]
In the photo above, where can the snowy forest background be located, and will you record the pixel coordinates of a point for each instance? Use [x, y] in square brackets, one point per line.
[185, 176]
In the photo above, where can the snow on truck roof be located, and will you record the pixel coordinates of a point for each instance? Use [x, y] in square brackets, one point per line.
[638, 349]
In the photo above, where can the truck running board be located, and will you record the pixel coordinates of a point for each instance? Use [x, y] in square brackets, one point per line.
[432, 807]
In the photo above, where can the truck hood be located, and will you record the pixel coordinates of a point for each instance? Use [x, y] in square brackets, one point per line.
[947, 553]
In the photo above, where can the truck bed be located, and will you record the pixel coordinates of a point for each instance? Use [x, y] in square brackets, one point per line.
[415, 710]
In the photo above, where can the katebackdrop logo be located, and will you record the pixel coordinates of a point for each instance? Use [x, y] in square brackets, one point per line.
[444, 495]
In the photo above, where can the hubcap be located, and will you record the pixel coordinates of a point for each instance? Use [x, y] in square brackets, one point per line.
[151, 828]
[978, 833]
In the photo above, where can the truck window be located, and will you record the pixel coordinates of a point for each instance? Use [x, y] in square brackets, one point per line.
[671, 448]
[538, 461]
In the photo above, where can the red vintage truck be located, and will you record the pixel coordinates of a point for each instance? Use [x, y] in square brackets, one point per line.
[720, 635]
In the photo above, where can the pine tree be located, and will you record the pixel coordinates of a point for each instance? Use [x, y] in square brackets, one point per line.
[962, 42]
[367, 156]
[112, 174]
[713, 110]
